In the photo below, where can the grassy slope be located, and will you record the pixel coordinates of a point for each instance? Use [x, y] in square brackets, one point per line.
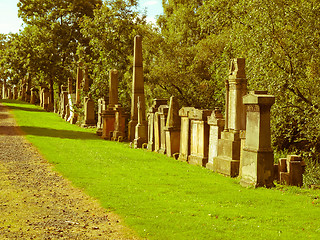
[162, 198]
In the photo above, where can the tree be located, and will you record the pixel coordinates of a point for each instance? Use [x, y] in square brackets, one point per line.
[111, 34]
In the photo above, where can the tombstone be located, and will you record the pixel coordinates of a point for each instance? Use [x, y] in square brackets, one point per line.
[79, 81]
[119, 124]
[184, 114]
[108, 115]
[290, 170]
[137, 90]
[50, 101]
[172, 128]
[15, 92]
[63, 101]
[162, 120]
[89, 114]
[199, 137]
[140, 131]
[216, 123]
[102, 106]
[151, 123]
[257, 166]
[73, 116]
[228, 160]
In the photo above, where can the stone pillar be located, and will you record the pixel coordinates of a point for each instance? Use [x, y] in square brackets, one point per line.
[137, 90]
[257, 167]
[89, 115]
[15, 92]
[113, 88]
[216, 123]
[228, 160]
[163, 113]
[140, 132]
[184, 114]
[199, 137]
[157, 135]
[172, 129]
[102, 106]
[151, 123]
[79, 81]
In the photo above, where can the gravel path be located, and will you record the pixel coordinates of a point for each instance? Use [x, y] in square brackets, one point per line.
[37, 203]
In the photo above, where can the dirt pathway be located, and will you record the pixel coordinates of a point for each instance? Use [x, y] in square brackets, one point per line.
[37, 203]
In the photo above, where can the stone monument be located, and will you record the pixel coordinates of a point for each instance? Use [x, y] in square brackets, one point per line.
[89, 115]
[151, 123]
[228, 160]
[172, 128]
[140, 132]
[216, 123]
[184, 114]
[257, 166]
[137, 90]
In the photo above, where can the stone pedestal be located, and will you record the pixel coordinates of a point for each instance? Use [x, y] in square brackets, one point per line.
[172, 129]
[185, 133]
[151, 123]
[257, 167]
[216, 123]
[199, 137]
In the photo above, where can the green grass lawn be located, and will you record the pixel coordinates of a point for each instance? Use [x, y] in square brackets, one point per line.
[161, 198]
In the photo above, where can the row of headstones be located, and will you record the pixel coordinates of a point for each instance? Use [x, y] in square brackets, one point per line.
[239, 145]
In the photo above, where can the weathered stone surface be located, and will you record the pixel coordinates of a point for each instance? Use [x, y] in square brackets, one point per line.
[291, 170]
[228, 160]
[140, 131]
[78, 82]
[199, 137]
[89, 114]
[172, 128]
[184, 114]
[257, 166]
[137, 90]
[113, 88]
[151, 123]
[163, 113]
[216, 123]
[102, 106]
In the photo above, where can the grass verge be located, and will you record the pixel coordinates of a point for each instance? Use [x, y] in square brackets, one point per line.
[162, 198]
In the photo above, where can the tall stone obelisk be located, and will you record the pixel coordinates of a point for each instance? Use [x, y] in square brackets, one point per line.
[137, 90]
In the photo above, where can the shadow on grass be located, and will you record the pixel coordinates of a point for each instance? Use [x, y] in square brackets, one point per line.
[47, 132]
[29, 109]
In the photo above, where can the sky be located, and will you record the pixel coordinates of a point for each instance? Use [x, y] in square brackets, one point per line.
[9, 21]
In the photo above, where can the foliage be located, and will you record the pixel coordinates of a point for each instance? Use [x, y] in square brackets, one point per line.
[162, 198]
[111, 35]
